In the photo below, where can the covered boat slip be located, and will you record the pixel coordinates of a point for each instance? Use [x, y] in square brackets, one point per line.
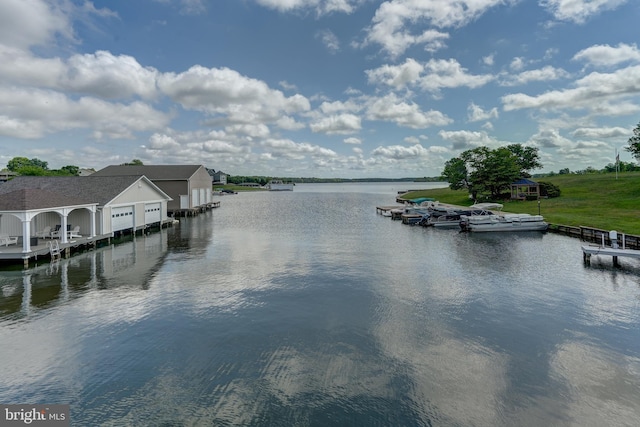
[75, 211]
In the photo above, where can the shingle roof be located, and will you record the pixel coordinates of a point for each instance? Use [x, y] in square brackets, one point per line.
[33, 198]
[36, 192]
[524, 181]
[153, 172]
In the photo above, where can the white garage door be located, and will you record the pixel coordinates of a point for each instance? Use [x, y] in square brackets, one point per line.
[152, 213]
[121, 218]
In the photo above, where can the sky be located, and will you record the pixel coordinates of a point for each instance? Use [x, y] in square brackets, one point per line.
[317, 88]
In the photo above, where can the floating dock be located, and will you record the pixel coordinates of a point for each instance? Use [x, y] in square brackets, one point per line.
[614, 250]
[587, 251]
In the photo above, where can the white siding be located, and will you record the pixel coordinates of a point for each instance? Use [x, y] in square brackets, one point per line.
[194, 198]
[184, 201]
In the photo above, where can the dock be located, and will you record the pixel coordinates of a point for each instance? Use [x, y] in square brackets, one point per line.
[587, 251]
[614, 250]
[42, 248]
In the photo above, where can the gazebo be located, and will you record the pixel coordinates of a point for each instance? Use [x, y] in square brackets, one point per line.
[524, 189]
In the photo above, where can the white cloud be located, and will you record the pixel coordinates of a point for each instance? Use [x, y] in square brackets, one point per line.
[352, 140]
[287, 86]
[578, 11]
[337, 124]
[605, 55]
[42, 112]
[253, 130]
[517, 63]
[476, 113]
[20, 67]
[291, 149]
[489, 59]
[289, 123]
[162, 142]
[412, 140]
[588, 92]
[101, 74]
[320, 6]
[546, 73]
[391, 25]
[329, 40]
[215, 146]
[550, 138]
[432, 76]
[401, 152]
[390, 108]
[464, 139]
[598, 133]
[222, 91]
[396, 76]
[109, 76]
[27, 23]
[441, 73]
[340, 107]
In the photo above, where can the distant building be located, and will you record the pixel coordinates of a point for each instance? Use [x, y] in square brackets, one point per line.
[524, 189]
[219, 177]
[189, 186]
[6, 175]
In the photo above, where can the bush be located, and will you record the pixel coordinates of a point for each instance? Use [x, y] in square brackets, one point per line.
[549, 190]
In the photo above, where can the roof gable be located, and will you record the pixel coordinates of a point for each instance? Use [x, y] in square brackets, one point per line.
[153, 172]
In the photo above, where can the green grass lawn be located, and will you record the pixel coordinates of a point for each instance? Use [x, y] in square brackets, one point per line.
[594, 200]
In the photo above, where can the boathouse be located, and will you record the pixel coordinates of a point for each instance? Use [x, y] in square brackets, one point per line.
[188, 186]
[74, 211]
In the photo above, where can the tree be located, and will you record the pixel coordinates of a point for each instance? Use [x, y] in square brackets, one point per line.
[32, 171]
[71, 170]
[495, 172]
[634, 143]
[456, 174]
[134, 162]
[526, 157]
[18, 163]
[482, 170]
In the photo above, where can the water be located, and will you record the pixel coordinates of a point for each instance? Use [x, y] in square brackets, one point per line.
[309, 309]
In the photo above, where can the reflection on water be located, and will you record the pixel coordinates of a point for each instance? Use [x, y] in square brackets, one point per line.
[307, 308]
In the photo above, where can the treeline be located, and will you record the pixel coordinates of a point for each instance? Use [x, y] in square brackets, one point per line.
[263, 180]
[37, 167]
[609, 168]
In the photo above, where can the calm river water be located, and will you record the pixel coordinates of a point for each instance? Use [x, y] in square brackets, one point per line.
[307, 308]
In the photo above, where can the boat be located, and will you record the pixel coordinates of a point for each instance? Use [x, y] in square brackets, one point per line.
[487, 206]
[413, 209]
[506, 222]
[452, 218]
[279, 185]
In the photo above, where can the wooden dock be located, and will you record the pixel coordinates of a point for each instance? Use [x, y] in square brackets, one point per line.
[41, 248]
